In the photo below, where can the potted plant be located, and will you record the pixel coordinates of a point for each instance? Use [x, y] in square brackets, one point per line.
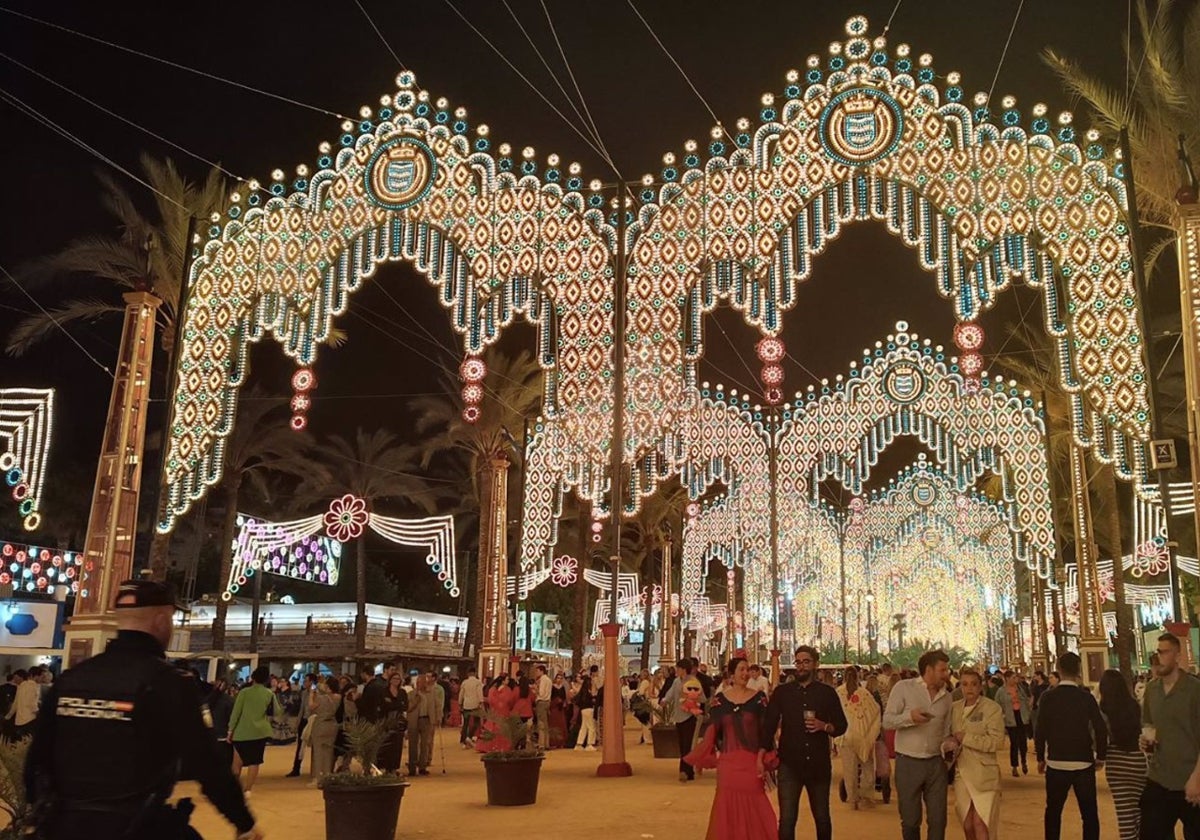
[663, 734]
[13, 800]
[512, 774]
[364, 802]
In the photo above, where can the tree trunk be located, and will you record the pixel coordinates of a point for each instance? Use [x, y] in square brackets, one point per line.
[160, 554]
[584, 522]
[231, 488]
[360, 593]
[647, 634]
[1104, 484]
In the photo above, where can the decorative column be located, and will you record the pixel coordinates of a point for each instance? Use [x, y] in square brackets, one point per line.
[1037, 599]
[1093, 641]
[1189, 289]
[495, 647]
[112, 524]
[667, 630]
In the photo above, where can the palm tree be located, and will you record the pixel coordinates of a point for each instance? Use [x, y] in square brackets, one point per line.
[262, 445]
[513, 389]
[375, 467]
[1163, 106]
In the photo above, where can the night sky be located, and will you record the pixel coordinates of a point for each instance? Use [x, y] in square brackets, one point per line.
[328, 56]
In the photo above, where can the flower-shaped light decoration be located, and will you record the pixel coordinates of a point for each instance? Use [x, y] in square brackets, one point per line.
[968, 337]
[471, 414]
[1151, 558]
[772, 375]
[346, 518]
[564, 571]
[770, 350]
[774, 396]
[303, 381]
[472, 370]
[693, 509]
[472, 394]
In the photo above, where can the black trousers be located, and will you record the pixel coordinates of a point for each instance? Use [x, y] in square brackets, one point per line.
[1059, 783]
[299, 758]
[686, 732]
[1018, 744]
[1162, 808]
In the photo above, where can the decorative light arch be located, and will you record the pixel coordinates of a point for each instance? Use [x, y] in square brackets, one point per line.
[26, 431]
[864, 133]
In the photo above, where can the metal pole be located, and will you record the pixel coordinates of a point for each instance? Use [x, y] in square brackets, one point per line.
[521, 543]
[842, 520]
[858, 620]
[1156, 419]
[773, 469]
[258, 576]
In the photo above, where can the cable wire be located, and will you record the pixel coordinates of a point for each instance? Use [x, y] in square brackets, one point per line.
[174, 64]
[57, 323]
[535, 89]
[1004, 52]
[123, 119]
[367, 15]
[30, 111]
[582, 101]
[1142, 63]
[686, 78]
[891, 17]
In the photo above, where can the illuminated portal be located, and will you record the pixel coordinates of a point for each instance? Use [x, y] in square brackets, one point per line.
[981, 192]
[26, 426]
[309, 549]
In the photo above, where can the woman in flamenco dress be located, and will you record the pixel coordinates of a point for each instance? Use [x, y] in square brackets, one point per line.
[741, 809]
[500, 697]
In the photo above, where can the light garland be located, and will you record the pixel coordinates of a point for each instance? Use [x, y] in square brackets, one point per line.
[26, 432]
[37, 569]
[862, 134]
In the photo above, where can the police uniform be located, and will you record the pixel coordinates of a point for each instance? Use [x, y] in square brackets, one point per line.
[114, 736]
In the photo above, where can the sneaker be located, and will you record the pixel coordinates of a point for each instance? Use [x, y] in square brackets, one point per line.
[578, 748]
[591, 749]
[465, 745]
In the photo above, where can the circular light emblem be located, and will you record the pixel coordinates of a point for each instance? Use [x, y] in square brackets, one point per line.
[924, 494]
[400, 172]
[903, 382]
[860, 126]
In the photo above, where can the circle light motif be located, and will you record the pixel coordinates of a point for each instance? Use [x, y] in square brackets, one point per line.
[968, 336]
[346, 518]
[770, 350]
[400, 172]
[861, 126]
[472, 370]
[903, 382]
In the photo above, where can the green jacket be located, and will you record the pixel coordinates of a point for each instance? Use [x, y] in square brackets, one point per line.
[252, 712]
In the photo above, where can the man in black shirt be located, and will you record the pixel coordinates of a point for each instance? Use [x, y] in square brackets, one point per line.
[1069, 723]
[811, 714]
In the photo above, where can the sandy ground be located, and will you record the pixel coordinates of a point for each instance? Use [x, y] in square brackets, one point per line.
[574, 803]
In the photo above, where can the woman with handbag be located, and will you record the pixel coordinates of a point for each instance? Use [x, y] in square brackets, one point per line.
[977, 724]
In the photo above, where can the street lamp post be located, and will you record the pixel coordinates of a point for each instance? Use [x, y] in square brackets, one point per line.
[871, 634]
[858, 619]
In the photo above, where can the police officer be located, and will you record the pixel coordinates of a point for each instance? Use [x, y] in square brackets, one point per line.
[119, 730]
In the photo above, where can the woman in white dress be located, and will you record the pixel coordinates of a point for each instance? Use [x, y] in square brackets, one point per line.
[977, 723]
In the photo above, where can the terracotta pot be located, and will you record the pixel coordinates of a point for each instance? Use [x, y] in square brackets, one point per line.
[512, 781]
[363, 812]
[666, 740]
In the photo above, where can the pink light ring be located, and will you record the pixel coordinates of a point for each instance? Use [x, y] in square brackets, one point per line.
[968, 336]
[304, 380]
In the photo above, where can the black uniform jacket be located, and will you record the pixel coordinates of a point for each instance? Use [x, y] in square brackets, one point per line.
[118, 729]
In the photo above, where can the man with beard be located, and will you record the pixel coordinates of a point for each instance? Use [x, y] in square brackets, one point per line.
[1171, 734]
[811, 714]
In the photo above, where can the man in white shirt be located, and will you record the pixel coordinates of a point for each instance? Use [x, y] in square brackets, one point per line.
[25, 705]
[470, 698]
[757, 681]
[919, 710]
[542, 707]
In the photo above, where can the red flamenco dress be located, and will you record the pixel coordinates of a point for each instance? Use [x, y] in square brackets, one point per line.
[741, 809]
[500, 705]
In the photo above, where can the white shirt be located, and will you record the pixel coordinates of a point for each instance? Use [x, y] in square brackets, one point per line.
[915, 740]
[544, 684]
[1065, 765]
[759, 683]
[26, 702]
[470, 694]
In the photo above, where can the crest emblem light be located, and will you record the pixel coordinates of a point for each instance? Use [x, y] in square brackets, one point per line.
[860, 126]
[903, 383]
[400, 172]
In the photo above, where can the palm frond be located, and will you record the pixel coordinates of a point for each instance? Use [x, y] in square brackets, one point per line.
[36, 328]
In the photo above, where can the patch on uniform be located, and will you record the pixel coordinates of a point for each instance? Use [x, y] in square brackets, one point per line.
[94, 708]
[206, 715]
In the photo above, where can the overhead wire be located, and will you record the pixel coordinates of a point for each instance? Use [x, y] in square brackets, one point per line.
[1004, 52]
[891, 17]
[212, 163]
[535, 89]
[57, 323]
[371, 21]
[574, 82]
[30, 111]
[1141, 63]
[175, 64]
[682, 72]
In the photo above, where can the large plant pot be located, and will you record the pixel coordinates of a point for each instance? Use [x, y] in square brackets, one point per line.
[666, 741]
[363, 812]
[512, 781]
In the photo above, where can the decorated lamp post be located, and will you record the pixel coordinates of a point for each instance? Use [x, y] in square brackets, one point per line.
[494, 650]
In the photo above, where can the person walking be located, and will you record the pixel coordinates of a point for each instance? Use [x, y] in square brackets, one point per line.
[1171, 734]
[26, 701]
[306, 693]
[424, 713]
[109, 776]
[919, 710]
[585, 702]
[1014, 701]
[734, 745]
[220, 706]
[857, 747]
[977, 725]
[810, 715]
[1125, 763]
[393, 710]
[543, 685]
[470, 696]
[250, 725]
[1069, 728]
[686, 698]
[323, 726]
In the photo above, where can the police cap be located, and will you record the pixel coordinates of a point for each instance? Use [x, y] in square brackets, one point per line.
[132, 594]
